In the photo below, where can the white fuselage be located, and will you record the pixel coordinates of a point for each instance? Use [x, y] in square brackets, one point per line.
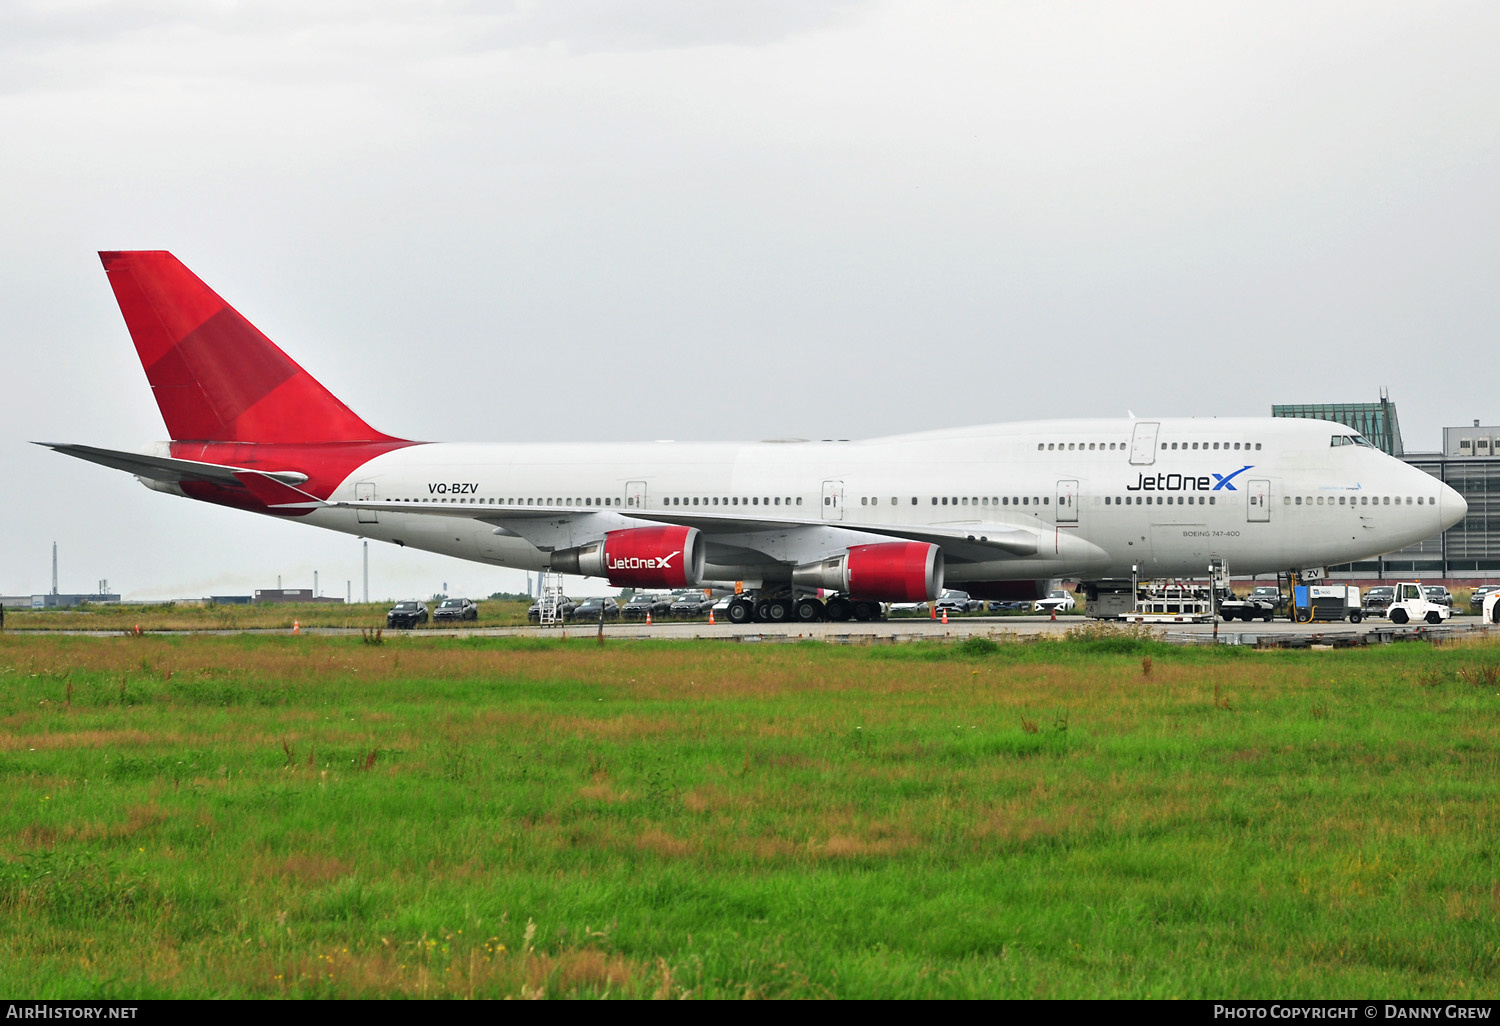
[1102, 497]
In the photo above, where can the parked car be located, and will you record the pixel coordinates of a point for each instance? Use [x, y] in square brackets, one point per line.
[1060, 601]
[595, 609]
[1268, 593]
[640, 605]
[1477, 597]
[1438, 594]
[1008, 605]
[459, 609]
[406, 615]
[565, 606]
[692, 603]
[1378, 600]
[956, 602]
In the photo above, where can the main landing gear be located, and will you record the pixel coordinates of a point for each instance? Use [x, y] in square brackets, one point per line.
[789, 608]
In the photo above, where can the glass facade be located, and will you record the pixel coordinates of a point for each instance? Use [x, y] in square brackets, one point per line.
[1376, 421]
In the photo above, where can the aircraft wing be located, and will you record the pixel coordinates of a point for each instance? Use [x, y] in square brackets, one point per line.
[977, 542]
[970, 543]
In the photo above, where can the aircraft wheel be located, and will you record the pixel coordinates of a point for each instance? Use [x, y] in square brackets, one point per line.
[809, 610]
[1399, 616]
[1434, 617]
[840, 609]
[866, 610]
[778, 610]
[740, 611]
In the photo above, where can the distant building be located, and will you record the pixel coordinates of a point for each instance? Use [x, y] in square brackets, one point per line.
[1469, 463]
[230, 600]
[51, 601]
[1376, 421]
[265, 596]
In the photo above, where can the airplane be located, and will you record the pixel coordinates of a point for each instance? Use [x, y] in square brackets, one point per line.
[1001, 510]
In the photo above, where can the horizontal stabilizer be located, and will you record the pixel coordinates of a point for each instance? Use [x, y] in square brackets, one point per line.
[164, 468]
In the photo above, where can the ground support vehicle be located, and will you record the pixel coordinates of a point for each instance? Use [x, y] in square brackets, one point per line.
[562, 609]
[1412, 605]
[406, 615]
[1247, 609]
[1326, 603]
[456, 609]
[1491, 606]
[1271, 593]
[1172, 603]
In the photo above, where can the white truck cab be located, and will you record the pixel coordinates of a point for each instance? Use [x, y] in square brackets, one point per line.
[1411, 604]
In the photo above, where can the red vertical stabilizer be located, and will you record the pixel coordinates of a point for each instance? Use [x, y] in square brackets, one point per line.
[217, 378]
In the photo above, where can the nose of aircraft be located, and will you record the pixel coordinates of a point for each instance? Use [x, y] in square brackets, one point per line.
[1451, 507]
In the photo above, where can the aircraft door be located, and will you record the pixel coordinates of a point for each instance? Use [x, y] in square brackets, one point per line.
[364, 491]
[1143, 443]
[1259, 497]
[1067, 502]
[833, 500]
[635, 495]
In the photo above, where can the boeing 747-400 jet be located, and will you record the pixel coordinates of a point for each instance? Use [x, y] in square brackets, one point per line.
[1000, 510]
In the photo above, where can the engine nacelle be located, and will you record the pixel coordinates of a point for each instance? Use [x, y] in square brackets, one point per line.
[639, 557]
[887, 572]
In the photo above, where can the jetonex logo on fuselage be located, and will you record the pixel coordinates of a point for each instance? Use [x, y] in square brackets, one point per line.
[1186, 482]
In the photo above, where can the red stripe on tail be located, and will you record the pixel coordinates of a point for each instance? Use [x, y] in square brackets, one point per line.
[215, 376]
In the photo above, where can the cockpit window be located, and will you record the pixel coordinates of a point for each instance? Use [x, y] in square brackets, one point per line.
[1338, 440]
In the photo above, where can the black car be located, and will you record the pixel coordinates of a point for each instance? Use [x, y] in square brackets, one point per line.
[640, 605]
[1377, 600]
[1438, 594]
[456, 609]
[595, 609]
[406, 615]
[693, 603]
[1477, 597]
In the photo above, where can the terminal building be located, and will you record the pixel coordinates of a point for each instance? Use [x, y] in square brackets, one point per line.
[1469, 462]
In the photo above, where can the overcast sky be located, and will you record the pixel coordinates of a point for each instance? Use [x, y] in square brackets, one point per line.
[595, 220]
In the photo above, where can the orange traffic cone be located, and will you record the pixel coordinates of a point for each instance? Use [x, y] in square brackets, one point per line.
[1054, 614]
[296, 627]
[931, 611]
[945, 615]
[710, 616]
[648, 618]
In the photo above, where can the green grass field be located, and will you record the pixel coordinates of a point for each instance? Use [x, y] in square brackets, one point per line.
[316, 817]
[182, 616]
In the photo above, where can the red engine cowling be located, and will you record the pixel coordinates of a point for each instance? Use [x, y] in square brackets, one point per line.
[895, 572]
[887, 572]
[639, 557]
